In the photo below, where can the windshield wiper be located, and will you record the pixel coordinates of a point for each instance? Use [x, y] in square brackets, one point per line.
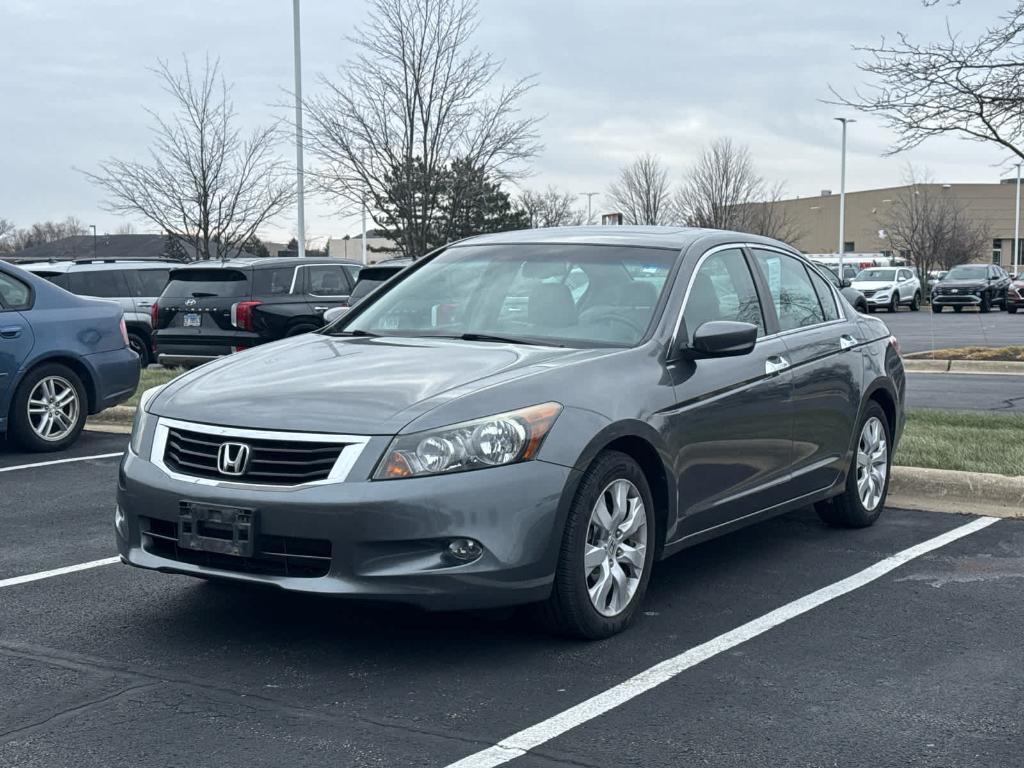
[354, 332]
[504, 339]
[202, 295]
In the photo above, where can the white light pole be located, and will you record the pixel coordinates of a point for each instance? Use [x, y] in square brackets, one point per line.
[589, 196]
[301, 238]
[1016, 224]
[363, 255]
[842, 198]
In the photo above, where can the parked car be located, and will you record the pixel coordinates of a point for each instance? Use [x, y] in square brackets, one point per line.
[889, 287]
[135, 285]
[62, 357]
[370, 278]
[1015, 295]
[444, 446]
[935, 277]
[971, 285]
[210, 310]
[852, 295]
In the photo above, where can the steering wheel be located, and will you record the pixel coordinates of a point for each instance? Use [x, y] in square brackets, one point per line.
[629, 325]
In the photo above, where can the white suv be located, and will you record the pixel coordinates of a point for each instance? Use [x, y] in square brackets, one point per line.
[889, 287]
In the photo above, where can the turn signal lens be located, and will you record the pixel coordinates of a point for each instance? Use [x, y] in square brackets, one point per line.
[504, 438]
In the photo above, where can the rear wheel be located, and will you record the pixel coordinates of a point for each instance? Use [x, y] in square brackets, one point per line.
[867, 482]
[607, 551]
[916, 303]
[49, 409]
[138, 345]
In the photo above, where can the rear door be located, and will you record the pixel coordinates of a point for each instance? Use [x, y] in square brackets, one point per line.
[16, 336]
[825, 359]
[325, 286]
[102, 284]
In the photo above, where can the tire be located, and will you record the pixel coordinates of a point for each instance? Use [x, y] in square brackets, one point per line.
[894, 303]
[27, 431]
[1012, 310]
[849, 510]
[958, 308]
[915, 304]
[936, 307]
[570, 609]
[298, 330]
[138, 345]
[986, 304]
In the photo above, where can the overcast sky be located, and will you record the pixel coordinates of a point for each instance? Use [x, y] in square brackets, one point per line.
[615, 79]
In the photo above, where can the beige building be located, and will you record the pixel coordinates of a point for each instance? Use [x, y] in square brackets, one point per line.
[817, 218]
[377, 248]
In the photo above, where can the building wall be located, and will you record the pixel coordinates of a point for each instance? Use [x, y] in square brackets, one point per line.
[817, 218]
[377, 249]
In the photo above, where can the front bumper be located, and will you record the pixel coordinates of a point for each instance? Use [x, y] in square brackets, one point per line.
[383, 539]
[954, 300]
[879, 301]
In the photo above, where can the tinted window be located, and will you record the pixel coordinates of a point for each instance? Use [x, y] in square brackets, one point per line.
[326, 280]
[273, 282]
[796, 301]
[57, 278]
[369, 279]
[151, 282]
[967, 272]
[825, 296]
[198, 283]
[722, 289]
[105, 284]
[14, 294]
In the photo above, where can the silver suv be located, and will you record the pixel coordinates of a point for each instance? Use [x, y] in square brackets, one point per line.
[135, 285]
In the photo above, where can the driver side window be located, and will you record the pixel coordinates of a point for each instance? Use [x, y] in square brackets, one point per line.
[723, 289]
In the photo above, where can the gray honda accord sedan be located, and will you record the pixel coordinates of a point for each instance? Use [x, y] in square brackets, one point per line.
[526, 417]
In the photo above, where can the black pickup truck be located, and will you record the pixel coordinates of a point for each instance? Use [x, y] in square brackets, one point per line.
[213, 309]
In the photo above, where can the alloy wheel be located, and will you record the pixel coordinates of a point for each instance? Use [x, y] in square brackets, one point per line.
[53, 408]
[616, 548]
[872, 463]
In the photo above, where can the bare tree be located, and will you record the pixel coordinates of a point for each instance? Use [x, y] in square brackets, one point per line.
[929, 225]
[971, 88]
[205, 182]
[7, 230]
[417, 99]
[551, 208]
[770, 218]
[126, 228]
[642, 192]
[40, 233]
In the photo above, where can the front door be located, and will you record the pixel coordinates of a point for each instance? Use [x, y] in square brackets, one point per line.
[730, 430]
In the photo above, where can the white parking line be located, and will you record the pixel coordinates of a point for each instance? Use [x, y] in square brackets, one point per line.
[62, 461]
[520, 743]
[15, 580]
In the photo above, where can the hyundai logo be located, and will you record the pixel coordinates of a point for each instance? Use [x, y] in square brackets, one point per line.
[190, 303]
[233, 458]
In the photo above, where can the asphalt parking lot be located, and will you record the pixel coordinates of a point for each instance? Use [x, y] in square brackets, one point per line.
[925, 330]
[918, 663]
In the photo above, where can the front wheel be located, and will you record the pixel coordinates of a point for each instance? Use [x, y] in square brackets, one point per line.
[894, 304]
[916, 303]
[936, 307]
[49, 409]
[958, 308]
[607, 551]
[1012, 310]
[867, 482]
[986, 303]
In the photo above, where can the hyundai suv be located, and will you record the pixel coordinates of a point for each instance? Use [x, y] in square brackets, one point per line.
[212, 309]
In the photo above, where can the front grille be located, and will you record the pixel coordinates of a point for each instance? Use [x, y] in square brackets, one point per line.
[275, 555]
[868, 294]
[272, 462]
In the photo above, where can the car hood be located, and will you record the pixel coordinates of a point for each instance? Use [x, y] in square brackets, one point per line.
[363, 386]
[971, 284]
[872, 285]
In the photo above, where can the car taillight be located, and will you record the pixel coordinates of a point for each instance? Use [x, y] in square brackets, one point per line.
[241, 314]
[124, 332]
[895, 343]
[154, 315]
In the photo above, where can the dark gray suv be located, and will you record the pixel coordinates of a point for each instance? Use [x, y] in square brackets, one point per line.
[523, 417]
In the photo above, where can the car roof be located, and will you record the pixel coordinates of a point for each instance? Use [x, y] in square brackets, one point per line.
[97, 266]
[675, 238]
[268, 262]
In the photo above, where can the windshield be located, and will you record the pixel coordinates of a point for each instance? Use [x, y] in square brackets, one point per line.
[967, 272]
[877, 274]
[573, 295]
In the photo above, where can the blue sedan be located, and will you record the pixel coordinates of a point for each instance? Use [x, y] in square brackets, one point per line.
[62, 357]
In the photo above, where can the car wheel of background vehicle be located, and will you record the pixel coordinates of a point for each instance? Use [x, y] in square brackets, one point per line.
[916, 303]
[958, 308]
[867, 482]
[986, 303]
[49, 409]
[140, 347]
[1012, 310]
[862, 307]
[894, 303]
[607, 551]
[298, 330]
[936, 307]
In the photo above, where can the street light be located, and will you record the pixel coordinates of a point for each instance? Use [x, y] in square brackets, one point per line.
[301, 237]
[842, 195]
[589, 196]
[1016, 224]
[93, 228]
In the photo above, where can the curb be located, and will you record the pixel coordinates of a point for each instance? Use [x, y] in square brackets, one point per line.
[1001, 367]
[942, 490]
[118, 416]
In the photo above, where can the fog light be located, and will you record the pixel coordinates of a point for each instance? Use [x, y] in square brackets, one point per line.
[120, 524]
[464, 550]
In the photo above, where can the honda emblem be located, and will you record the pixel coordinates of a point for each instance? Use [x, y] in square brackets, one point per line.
[233, 458]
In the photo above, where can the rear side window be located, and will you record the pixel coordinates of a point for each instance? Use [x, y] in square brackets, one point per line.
[723, 289]
[272, 282]
[825, 296]
[14, 294]
[326, 280]
[104, 284]
[796, 301]
[201, 283]
[151, 282]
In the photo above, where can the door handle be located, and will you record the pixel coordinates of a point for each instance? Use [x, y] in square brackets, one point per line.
[846, 341]
[10, 332]
[320, 309]
[775, 364]
[144, 304]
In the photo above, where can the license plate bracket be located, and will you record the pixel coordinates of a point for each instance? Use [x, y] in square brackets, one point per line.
[192, 320]
[218, 529]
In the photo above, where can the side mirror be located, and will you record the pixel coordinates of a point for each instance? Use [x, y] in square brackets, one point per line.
[333, 314]
[846, 283]
[722, 338]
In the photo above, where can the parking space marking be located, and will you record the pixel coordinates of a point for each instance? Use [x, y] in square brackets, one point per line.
[62, 461]
[15, 580]
[522, 742]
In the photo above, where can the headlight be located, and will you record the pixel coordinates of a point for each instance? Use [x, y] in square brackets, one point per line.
[505, 438]
[141, 418]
